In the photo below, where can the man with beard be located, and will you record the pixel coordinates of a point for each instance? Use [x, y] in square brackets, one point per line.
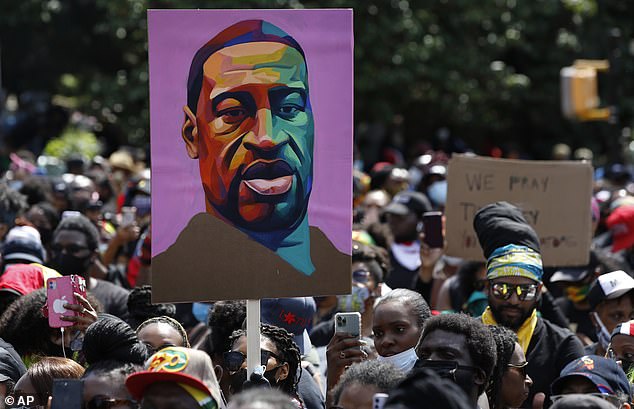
[74, 251]
[249, 124]
[514, 274]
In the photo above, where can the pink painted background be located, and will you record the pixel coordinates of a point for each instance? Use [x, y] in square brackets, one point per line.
[327, 39]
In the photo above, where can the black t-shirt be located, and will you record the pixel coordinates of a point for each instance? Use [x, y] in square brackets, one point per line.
[113, 299]
[578, 317]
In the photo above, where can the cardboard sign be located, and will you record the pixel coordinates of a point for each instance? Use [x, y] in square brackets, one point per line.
[251, 115]
[554, 197]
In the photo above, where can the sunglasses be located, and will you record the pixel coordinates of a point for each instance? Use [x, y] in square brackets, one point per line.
[102, 402]
[361, 276]
[235, 359]
[504, 291]
[521, 368]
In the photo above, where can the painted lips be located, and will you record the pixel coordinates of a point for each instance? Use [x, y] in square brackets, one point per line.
[268, 178]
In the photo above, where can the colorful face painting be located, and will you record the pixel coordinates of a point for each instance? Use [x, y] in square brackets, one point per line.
[252, 180]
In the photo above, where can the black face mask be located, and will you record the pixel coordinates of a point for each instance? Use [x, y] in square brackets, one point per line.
[270, 376]
[67, 264]
[237, 380]
[627, 365]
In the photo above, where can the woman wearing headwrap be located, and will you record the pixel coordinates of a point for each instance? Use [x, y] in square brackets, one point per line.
[514, 285]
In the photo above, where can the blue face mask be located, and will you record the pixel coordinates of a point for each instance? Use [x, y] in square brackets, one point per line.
[437, 192]
[354, 302]
[200, 310]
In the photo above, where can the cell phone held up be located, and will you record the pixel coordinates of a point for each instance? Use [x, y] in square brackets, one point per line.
[60, 291]
[432, 227]
[348, 323]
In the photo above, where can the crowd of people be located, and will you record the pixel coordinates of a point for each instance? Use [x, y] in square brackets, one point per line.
[435, 331]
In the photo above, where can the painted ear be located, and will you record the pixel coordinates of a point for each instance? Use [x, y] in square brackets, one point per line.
[189, 133]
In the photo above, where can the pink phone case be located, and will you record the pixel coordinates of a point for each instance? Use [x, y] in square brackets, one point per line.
[59, 291]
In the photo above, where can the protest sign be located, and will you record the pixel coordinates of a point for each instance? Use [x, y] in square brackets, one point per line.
[251, 135]
[554, 197]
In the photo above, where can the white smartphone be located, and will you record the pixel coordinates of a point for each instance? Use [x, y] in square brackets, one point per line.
[348, 323]
[378, 400]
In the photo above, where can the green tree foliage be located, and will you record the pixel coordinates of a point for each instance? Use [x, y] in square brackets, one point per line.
[486, 70]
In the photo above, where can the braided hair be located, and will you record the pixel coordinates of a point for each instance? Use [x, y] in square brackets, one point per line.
[111, 338]
[169, 321]
[505, 340]
[287, 350]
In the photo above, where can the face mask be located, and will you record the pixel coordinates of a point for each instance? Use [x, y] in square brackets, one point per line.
[477, 303]
[270, 376]
[67, 264]
[577, 294]
[602, 333]
[452, 261]
[200, 311]
[354, 302]
[404, 360]
[237, 380]
[437, 192]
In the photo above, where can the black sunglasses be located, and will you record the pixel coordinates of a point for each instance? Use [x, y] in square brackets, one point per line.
[102, 402]
[235, 359]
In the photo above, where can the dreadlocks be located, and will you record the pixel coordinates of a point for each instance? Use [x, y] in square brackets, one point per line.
[287, 349]
[505, 340]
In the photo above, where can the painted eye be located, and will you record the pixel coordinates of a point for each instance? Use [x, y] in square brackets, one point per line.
[233, 115]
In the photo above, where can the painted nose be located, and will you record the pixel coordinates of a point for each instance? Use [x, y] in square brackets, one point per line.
[262, 137]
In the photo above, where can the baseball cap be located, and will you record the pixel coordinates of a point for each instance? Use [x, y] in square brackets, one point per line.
[581, 401]
[624, 328]
[621, 223]
[293, 314]
[179, 365]
[610, 286]
[604, 373]
[409, 201]
[23, 243]
[570, 274]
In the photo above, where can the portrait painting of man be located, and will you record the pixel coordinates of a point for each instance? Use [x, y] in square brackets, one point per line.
[249, 126]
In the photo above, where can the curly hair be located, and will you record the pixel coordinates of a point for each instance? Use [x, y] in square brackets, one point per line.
[25, 327]
[505, 340]
[83, 225]
[224, 318]
[169, 321]
[141, 308]
[42, 372]
[417, 304]
[287, 350]
[376, 259]
[380, 374]
[478, 338]
[262, 399]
